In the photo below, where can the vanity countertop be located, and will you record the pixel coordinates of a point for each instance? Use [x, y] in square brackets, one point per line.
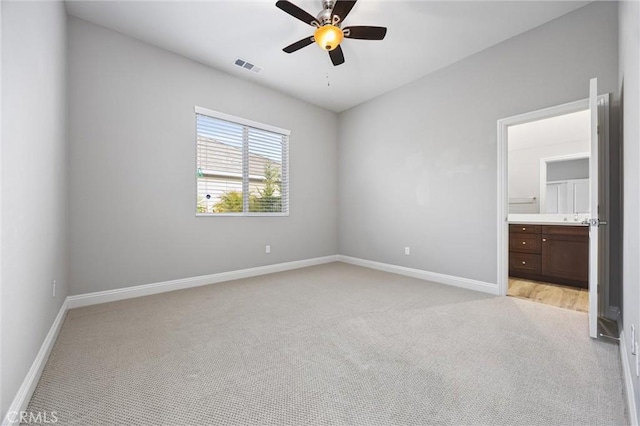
[548, 223]
[548, 219]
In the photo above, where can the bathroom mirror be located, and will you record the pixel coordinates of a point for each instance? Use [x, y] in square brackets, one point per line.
[549, 166]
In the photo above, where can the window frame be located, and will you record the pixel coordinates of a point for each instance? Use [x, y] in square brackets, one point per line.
[245, 123]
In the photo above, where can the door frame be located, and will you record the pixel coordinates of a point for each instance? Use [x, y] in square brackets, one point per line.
[503, 189]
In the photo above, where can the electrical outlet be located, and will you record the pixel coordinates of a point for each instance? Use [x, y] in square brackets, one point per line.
[407, 251]
[54, 288]
[267, 249]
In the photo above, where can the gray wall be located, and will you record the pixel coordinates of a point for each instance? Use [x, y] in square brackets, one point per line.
[630, 90]
[417, 166]
[34, 183]
[566, 170]
[133, 168]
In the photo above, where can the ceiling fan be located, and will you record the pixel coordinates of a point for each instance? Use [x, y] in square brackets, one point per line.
[329, 34]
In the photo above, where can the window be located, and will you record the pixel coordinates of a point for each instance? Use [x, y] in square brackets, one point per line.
[242, 166]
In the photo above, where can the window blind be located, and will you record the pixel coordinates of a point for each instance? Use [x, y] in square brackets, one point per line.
[242, 166]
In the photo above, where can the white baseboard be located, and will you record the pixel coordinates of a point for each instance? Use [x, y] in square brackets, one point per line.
[22, 398]
[467, 283]
[627, 378]
[165, 286]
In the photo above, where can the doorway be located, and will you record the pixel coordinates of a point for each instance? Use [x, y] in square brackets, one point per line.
[548, 200]
[548, 164]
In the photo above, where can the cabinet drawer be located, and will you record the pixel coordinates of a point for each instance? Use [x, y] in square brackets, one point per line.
[524, 229]
[524, 243]
[522, 262]
[566, 231]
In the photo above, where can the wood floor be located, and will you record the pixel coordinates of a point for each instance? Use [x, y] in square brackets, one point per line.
[561, 296]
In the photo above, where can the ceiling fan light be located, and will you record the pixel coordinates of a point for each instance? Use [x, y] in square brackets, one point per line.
[328, 36]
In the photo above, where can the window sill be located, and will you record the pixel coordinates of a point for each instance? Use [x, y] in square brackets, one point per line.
[242, 214]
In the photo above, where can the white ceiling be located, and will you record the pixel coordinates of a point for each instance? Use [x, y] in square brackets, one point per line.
[422, 36]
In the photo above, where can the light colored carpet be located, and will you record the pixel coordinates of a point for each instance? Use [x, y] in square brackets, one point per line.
[331, 344]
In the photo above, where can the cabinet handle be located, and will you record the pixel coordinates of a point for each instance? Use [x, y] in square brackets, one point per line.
[524, 229]
[524, 263]
[544, 239]
[524, 243]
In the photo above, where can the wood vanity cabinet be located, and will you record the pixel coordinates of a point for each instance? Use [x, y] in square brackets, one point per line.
[551, 253]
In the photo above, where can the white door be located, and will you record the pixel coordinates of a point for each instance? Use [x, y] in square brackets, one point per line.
[555, 197]
[567, 197]
[580, 195]
[594, 209]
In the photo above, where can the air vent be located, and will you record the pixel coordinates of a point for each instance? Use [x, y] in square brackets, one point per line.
[248, 66]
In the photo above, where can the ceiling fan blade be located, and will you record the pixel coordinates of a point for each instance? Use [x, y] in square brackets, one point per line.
[337, 57]
[296, 12]
[298, 45]
[342, 8]
[365, 33]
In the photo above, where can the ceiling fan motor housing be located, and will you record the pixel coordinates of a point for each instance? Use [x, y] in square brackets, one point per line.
[325, 16]
[328, 4]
